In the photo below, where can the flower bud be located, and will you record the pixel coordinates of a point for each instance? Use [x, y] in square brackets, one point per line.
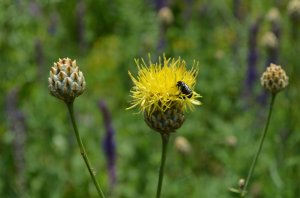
[231, 141]
[269, 41]
[66, 82]
[273, 16]
[165, 15]
[274, 78]
[182, 145]
[294, 10]
[242, 183]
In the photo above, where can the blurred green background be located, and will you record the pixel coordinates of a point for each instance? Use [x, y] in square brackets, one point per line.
[230, 39]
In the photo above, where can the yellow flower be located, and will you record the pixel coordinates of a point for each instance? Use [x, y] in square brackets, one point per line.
[164, 87]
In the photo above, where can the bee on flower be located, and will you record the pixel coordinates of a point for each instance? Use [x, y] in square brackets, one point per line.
[163, 91]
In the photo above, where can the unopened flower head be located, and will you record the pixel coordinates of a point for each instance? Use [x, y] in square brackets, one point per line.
[274, 78]
[162, 91]
[182, 145]
[165, 15]
[269, 41]
[241, 183]
[294, 10]
[273, 16]
[66, 81]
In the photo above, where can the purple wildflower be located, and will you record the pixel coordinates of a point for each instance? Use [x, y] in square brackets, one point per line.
[251, 75]
[108, 143]
[16, 124]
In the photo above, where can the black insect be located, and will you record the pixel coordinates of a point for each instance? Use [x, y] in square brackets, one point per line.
[184, 88]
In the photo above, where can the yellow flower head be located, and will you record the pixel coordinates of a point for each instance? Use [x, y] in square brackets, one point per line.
[157, 86]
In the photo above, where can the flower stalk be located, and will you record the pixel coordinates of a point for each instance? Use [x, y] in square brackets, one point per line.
[254, 162]
[165, 141]
[163, 91]
[82, 150]
[274, 79]
[66, 82]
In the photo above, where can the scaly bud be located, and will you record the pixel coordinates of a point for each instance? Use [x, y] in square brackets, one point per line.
[274, 78]
[66, 82]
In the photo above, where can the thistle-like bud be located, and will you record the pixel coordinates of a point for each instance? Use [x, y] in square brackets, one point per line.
[273, 16]
[66, 82]
[182, 145]
[165, 121]
[269, 41]
[294, 10]
[241, 183]
[274, 78]
[165, 15]
[231, 141]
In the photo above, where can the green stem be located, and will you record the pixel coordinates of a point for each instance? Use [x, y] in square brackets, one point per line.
[165, 140]
[243, 193]
[82, 150]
